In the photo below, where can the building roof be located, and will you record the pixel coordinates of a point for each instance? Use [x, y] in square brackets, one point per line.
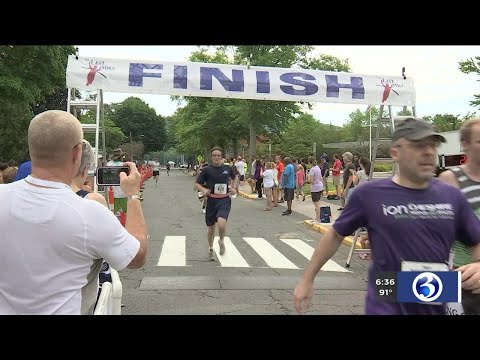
[260, 140]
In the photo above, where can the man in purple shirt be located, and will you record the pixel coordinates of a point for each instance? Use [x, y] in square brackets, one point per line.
[410, 217]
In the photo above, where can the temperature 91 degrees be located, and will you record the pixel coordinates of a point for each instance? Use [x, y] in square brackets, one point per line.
[385, 285]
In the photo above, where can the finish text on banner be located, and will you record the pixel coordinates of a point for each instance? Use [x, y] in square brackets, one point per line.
[237, 82]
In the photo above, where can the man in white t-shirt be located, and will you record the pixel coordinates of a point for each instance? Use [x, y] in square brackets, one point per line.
[156, 170]
[119, 198]
[51, 237]
[240, 165]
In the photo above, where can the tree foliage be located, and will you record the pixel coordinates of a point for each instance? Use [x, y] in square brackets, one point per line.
[447, 122]
[31, 73]
[114, 136]
[470, 66]
[139, 122]
[205, 122]
[30, 77]
[58, 100]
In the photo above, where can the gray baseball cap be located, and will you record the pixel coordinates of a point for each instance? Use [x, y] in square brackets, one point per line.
[415, 129]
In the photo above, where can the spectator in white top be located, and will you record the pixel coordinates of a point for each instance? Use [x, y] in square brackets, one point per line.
[364, 172]
[268, 184]
[52, 237]
[120, 200]
[240, 165]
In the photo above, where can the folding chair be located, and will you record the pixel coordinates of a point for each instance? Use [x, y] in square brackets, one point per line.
[353, 248]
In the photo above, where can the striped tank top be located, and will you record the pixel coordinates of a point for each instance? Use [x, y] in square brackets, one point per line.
[471, 190]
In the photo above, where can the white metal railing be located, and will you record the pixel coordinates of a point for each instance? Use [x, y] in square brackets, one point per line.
[110, 299]
[105, 300]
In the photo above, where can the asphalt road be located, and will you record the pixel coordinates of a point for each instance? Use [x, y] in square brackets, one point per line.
[266, 254]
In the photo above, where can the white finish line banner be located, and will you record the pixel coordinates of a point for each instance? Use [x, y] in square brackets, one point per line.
[237, 82]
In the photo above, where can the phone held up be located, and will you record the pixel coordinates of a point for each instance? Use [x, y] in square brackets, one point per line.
[110, 175]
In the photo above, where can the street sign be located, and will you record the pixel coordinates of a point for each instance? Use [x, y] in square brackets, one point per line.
[199, 158]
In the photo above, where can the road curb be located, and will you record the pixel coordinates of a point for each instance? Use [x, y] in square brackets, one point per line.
[247, 196]
[348, 240]
[254, 196]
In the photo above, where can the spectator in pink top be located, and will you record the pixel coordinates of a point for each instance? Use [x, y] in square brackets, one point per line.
[300, 177]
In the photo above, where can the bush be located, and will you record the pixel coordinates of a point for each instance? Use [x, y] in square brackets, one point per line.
[383, 167]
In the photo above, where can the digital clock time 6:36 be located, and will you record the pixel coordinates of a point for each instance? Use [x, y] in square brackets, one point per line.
[386, 286]
[385, 282]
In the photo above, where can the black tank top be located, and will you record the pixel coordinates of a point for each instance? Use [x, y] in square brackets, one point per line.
[82, 193]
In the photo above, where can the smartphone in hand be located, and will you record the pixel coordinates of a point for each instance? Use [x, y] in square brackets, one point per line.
[110, 175]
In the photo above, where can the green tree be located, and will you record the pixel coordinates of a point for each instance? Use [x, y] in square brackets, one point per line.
[405, 112]
[445, 122]
[470, 66]
[275, 115]
[113, 134]
[58, 100]
[205, 122]
[14, 120]
[140, 123]
[170, 133]
[300, 135]
[28, 76]
[31, 73]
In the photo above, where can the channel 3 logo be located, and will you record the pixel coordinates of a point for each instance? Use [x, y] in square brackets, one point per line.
[427, 287]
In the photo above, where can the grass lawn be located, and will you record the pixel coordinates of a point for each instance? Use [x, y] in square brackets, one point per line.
[307, 187]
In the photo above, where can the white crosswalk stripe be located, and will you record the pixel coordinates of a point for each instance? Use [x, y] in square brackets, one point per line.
[267, 252]
[173, 253]
[307, 251]
[232, 257]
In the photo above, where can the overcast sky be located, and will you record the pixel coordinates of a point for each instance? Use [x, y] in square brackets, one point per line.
[440, 86]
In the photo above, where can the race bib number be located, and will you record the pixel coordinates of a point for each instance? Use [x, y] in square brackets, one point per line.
[220, 189]
[423, 266]
[454, 309]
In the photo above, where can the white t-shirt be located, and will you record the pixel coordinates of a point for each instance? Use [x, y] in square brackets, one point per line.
[117, 190]
[50, 241]
[156, 166]
[240, 165]
[268, 178]
[362, 177]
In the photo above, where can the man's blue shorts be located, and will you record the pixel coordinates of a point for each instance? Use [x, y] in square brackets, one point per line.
[217, 208]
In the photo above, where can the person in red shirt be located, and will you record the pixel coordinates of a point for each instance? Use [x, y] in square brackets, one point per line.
[337, 166]
[280, 167]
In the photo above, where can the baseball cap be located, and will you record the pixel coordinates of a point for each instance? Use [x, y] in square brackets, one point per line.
[415, 129]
